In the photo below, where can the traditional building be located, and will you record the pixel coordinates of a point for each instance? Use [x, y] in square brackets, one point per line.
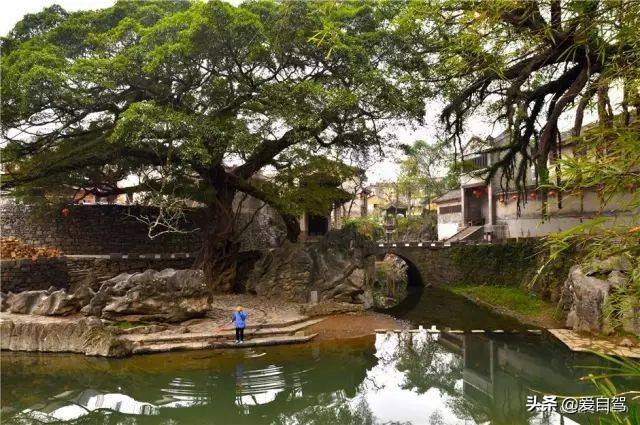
[483, 209]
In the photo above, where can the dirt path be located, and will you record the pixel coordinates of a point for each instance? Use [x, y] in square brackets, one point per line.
[353, 325]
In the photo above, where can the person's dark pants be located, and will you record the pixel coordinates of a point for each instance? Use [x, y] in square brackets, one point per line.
[239, 334]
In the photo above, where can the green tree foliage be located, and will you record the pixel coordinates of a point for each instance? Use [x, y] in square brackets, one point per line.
[369, 227]
[526, 64]
[196, 99]
[608, 159]
[417, 228]
[420, 171]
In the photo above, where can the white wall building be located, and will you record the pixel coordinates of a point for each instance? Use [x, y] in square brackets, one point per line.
[481, 209]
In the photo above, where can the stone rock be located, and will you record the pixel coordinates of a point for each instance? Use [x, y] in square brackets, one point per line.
[263, 230]
[25, 302]
[626, 342]
[337, 267]
[142, 329]
[52, 302]
[617, 279]
[326, 308]
[618, 262]
[83, 295]
[56, 303]
[585, 296]
[19, 332]
[168, 295]
[631, 321]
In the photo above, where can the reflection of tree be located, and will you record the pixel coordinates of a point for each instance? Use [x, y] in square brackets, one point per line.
[436, 418]
[99, 416]
[427, 364]
[337, 413]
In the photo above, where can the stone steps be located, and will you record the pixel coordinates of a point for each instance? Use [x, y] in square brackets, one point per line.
[469, 232]
[258, 335]
[226, 333]
[269, 325]
[202, 345]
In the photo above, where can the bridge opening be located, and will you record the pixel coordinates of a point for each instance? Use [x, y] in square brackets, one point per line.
[395, 277]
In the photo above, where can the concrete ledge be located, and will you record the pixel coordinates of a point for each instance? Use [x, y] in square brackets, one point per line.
[203, 345]
[581, 343]
[120, 256]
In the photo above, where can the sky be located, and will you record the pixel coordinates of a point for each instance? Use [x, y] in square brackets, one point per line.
[12, 11]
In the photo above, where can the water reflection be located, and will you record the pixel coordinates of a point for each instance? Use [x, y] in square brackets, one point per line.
[67, 407]
[415, 378]
[445, 309]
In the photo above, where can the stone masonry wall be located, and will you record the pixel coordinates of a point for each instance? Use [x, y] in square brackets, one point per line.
[99, 269]
[509, 263]
[69, 272]
[92, 229]
[26, 274]
[109, 229]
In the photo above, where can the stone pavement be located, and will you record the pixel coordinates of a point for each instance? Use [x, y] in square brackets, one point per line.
[577, 342]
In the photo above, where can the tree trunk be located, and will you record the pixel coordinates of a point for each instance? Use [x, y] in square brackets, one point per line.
[293, 226]
[543, 184]
[219, 254]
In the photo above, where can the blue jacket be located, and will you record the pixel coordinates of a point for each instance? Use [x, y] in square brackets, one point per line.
[238, 318]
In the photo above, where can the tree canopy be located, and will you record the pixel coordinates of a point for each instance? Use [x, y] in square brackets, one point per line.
[198, 99]
[421, 170]
[195, 99]
[528, 65]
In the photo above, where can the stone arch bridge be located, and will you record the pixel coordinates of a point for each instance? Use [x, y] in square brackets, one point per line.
[429, 263]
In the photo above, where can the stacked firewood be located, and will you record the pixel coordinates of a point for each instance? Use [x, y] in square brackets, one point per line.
[15, 248]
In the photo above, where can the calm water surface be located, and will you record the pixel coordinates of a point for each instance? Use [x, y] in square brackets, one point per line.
[412, 378]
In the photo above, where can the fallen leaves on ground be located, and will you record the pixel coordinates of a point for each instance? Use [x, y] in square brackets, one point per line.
[13, 248]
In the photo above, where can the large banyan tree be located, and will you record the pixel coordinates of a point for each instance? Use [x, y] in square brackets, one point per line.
[529, 65]
[195, 99]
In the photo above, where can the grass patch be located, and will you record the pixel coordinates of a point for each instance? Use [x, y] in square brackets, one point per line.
[511, 298]
[128, 325]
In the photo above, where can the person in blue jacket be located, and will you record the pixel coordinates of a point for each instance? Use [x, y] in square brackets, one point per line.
[239, 319]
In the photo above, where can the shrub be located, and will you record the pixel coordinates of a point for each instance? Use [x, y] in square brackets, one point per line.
[416, 227]
[368, 227]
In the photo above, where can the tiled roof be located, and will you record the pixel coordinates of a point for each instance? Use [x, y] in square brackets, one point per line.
[452, 195]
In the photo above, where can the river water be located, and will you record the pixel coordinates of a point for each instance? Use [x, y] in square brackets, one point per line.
[412, 378]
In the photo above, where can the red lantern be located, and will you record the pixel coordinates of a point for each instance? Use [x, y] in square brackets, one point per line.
[65, 212]
[533, 195]
[477, 193]
[552, 193]
[515, 197]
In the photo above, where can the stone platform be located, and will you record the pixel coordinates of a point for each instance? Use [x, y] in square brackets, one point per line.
[90, 336]
[578, 342]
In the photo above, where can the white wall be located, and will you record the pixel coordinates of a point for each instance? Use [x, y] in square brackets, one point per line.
[574, 211]
[446, 230]
[448, 224]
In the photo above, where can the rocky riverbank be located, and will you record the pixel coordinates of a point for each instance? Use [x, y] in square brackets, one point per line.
[270, 322]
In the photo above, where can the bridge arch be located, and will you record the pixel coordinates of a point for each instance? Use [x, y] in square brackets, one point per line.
[416, 277]
[429, 262]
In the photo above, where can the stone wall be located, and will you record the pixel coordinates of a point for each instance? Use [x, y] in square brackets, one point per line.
[509, 263]
[69, 272]
[93, 229]
[108, 229]
[98, 269]
[27, 274]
